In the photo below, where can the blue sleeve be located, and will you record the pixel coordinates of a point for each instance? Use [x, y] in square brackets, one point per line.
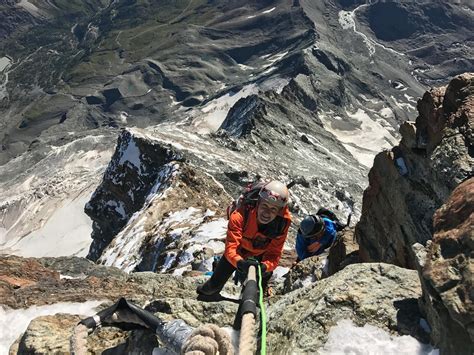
[301, 246]
[329, 234]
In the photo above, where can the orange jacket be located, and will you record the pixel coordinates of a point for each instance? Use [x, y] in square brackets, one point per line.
[244, 239]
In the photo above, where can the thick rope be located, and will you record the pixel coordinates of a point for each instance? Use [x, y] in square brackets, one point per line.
[78, 340]
[208, 339]
[247, 332]
[247, 335]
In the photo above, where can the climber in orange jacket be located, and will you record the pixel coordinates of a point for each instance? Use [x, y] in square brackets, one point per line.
[255, 235]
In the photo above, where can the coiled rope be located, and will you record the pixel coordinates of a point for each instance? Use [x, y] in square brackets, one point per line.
[208, 339]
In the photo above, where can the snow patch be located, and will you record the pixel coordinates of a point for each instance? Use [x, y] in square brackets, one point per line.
[131, 154]
[118, 206]
[216, 229]
[214, 113]
[122, 117]
[403, 105]
[365, 139]
[31, 8]
[4, 63]
[370, 340]
[279, 272]
[386, 113]
[66, 232]
[268, 11]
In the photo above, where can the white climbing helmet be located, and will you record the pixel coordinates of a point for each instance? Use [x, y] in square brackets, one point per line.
[274, 192]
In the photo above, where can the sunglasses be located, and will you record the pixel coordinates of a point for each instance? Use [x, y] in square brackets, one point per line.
[272, 197]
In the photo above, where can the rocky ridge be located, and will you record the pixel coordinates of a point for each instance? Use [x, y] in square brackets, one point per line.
[417, 211]
[410, 182]
[321, 86]
[446, 273]
[383, 295]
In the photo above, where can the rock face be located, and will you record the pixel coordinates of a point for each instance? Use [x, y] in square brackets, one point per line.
[378, 294]
[304, 273]
[408, 183]
[344, 251]
[447, 273]
[133, 171]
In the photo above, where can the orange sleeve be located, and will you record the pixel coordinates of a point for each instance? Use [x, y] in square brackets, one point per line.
[234, 237]
[272, 256]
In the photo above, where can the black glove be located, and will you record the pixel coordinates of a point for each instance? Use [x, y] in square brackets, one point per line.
[243, 265]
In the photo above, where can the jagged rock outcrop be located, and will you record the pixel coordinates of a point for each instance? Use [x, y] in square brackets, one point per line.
[241, 118]
[379, 294]
[305, 273]
[446, 272]
[408, 183]
[132, 172]
[343, 252]
[177, 209]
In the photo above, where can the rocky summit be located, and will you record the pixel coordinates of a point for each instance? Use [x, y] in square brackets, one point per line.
[128, 127]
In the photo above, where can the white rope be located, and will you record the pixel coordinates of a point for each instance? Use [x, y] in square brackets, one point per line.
[247, 335]
[208, 339]
[78, 340]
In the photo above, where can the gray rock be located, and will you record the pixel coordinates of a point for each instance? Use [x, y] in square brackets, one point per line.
[378, 294]
[447, 274]
[131, 174]
[343, 252]
[305, 272]
[408, 183]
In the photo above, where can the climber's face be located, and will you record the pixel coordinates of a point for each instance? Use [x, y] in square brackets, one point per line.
[266, 212]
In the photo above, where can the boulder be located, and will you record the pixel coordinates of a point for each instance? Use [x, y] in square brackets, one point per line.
[51, 334]
[343, 252]
[382, 295]
[304, 273]
[446, 272]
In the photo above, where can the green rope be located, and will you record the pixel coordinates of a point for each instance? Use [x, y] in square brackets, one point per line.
[263, 316]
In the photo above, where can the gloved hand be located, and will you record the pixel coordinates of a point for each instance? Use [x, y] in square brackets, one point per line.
[243, 265]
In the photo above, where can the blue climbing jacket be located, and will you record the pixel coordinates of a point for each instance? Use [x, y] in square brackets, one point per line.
[326, 240]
